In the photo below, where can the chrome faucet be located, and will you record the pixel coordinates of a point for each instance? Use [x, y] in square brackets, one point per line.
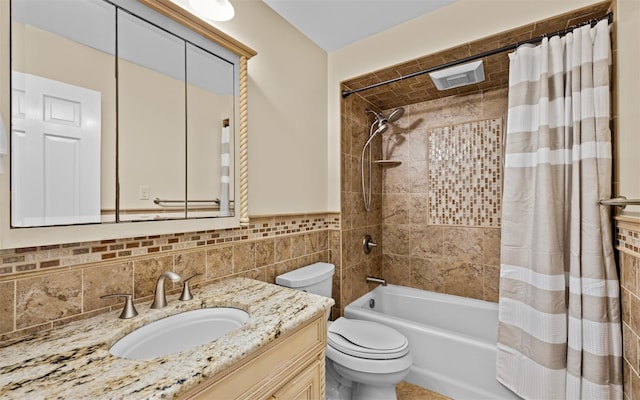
[160, 299]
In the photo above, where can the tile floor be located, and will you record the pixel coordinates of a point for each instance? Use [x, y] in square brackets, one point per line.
[407, 391]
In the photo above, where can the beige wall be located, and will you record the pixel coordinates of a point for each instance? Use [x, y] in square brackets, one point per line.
[287, 112]
[628, 100]
[460, 22]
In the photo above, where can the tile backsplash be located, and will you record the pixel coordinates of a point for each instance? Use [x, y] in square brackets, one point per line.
[48, 286]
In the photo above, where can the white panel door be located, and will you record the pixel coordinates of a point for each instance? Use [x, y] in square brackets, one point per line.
[55, 152]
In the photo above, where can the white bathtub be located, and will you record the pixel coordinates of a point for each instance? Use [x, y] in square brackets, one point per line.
[452, 339]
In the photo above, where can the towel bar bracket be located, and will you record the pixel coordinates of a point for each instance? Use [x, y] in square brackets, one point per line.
[619, 201]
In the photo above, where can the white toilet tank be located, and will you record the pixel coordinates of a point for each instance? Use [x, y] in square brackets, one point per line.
[316, 278]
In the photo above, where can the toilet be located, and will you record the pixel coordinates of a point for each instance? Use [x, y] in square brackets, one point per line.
[364, 360]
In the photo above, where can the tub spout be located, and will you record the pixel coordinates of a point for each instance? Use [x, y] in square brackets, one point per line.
[376, 280]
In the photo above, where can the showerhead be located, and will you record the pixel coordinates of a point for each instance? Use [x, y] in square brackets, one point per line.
[392, 117]
[395, 114]
[382, 126]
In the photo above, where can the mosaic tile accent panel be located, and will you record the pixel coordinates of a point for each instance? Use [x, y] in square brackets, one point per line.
[29, 259]
[465, 174]
[628, 238]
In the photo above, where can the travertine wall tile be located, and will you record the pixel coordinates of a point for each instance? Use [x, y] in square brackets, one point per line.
[419, 209]
[219, 262]
[464, 244]
[56, 257]
[396, 269]
[417, 144]
[146, 273]
[298, 246]
[491, 244]
[428, 274]
[458, 109]
[494, 102]
[108, 279]
[491, 283]
[189, 264]
[397, 238]
[244, 256]
[452, 208]
[627, 238]
[395, 209]
[312, 243]
[283, 249]
[397, 179]
[418, 182]
[427, 241]
[265, 252]
[46, 298]
[7, 293]
[463, 279]
[352, 265]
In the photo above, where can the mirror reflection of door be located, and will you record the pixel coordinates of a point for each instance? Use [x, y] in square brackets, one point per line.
[63, 112]
[56, 152]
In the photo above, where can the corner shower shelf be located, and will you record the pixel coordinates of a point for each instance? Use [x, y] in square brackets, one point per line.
[388, 163]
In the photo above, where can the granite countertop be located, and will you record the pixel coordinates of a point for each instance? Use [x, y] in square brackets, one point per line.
[74, 362]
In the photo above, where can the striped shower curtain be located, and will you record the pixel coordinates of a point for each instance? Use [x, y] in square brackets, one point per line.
[559, 334]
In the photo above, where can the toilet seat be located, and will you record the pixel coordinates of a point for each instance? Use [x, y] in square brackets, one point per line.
[367, 340]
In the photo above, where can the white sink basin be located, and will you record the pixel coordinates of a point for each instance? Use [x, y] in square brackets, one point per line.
[178, 333]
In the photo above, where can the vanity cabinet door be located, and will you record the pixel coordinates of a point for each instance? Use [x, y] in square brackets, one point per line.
[290, 367]
[305, 386]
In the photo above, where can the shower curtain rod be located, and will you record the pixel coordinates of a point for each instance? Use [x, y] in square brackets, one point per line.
[346, 93]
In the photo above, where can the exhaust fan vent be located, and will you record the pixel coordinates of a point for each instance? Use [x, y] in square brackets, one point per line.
[459, 75]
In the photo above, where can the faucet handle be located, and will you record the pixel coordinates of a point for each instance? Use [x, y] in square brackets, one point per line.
[129, 311]
[186, 292]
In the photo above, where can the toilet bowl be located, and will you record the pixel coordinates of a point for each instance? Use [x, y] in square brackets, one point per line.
[364, 360]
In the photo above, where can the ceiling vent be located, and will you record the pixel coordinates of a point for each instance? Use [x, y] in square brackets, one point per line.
[459, 75]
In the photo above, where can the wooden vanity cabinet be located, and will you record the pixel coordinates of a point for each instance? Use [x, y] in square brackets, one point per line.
[291, 367]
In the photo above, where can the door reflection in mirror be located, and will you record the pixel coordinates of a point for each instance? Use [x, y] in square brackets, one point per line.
[63, 112]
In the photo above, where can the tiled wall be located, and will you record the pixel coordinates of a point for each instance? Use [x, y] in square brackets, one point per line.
[453, 255]
[628, 244]
[356, 222]
[44, 287]
[430, 241]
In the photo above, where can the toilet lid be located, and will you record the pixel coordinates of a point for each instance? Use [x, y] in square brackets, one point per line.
[365, 339]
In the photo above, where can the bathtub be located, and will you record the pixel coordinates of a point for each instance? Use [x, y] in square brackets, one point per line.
[452, 339]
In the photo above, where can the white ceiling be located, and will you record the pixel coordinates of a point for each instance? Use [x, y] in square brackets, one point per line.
[333, 24]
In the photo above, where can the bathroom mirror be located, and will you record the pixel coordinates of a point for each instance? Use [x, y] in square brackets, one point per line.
[120, 112]
[63, 112]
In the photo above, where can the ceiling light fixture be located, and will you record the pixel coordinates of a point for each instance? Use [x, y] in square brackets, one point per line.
[214, 10]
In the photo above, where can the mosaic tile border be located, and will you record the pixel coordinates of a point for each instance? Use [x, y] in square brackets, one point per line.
[30, 259]
[465, 173]
[628, 235]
